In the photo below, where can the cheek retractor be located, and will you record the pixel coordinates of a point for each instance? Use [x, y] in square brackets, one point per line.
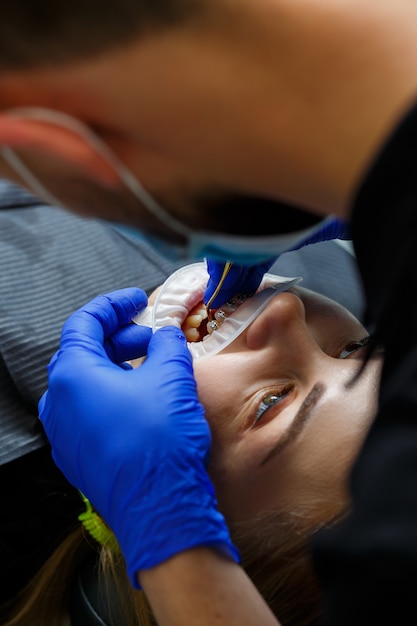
[184, 290]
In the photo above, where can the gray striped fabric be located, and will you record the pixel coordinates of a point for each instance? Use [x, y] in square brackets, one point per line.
[53, 262]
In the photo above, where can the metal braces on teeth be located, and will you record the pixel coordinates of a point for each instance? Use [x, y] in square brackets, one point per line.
[227, 309]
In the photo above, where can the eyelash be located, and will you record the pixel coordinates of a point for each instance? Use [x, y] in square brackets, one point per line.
[263, 407]
[353, 346]
[280, 396]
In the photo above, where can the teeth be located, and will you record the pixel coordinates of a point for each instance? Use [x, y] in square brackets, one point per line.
[220, 315]
[229, 307]
[192, 334]
[193, 325]
[202, 312]
[234, 303]
[194, 321]
[212, 326]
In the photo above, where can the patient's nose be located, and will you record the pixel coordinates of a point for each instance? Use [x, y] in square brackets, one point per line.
[283, 319]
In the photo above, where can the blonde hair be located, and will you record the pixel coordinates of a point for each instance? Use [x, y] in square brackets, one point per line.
[275, 554]
[45, 599]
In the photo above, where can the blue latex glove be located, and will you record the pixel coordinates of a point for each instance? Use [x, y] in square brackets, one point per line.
[246, 279]
[240, 279]
[134, 441]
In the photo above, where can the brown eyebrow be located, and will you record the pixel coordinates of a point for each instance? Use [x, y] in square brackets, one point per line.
[298, 423]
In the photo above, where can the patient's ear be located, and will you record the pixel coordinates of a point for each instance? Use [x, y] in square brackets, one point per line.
[57, 141]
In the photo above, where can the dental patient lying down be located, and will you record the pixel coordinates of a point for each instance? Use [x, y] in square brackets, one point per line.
[273, 373]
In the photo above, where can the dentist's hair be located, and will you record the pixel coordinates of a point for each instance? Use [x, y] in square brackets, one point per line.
[37, 33]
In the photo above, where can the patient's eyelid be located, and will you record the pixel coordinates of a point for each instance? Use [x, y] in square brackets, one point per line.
[268, 402]
[354, 346]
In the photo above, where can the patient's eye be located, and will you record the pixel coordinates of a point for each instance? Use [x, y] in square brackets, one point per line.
[269, 401]
[353, 346]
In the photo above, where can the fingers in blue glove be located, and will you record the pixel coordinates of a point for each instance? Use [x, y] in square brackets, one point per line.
[104, 316]
[245, 279]
[136, 442]
[240, 279]
[130, 342]
[335, 228]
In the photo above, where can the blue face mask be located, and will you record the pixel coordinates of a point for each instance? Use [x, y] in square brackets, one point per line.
[251, 251]
[236, 249]
[50, 184]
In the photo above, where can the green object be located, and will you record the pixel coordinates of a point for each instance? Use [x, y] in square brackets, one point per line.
[96, 526]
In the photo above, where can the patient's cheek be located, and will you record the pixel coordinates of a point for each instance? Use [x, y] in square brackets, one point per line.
[194, 326]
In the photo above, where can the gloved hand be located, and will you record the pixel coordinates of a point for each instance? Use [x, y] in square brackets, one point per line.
[240, 279]
[246, 279]
[135, 441]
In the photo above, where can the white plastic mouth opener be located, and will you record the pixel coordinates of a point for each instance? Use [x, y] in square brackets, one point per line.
[185, 288]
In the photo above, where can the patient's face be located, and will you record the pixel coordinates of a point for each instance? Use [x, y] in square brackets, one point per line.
[286, 424]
